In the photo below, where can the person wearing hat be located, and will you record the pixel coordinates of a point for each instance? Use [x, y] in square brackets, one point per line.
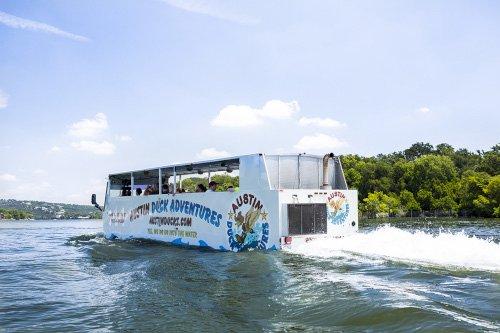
[212, 186]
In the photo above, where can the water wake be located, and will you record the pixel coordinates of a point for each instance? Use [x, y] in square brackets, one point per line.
[87, 239]
[452, 250]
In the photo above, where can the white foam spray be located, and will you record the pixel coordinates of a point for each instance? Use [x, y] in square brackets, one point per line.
[453, 250]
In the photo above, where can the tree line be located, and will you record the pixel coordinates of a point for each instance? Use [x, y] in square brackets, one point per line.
[224, 181]
[427, 178]
[41, 210]
[14, 214]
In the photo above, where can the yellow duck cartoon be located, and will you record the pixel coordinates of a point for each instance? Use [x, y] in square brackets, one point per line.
[336, 205]
[247, 222]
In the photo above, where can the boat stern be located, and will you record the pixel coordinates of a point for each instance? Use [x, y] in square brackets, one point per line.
[307, 215]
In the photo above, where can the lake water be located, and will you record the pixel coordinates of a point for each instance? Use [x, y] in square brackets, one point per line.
[437, 276]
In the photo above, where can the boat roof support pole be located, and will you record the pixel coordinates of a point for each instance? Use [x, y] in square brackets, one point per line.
[160, 190]
[132, 192]
[279, 183]
[319, 164]
[298, 171]
[175, 181]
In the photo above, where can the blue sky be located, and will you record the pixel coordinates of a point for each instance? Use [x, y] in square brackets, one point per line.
[92, 87]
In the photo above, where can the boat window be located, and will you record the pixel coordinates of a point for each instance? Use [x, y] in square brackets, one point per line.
[176, 179]
[225, 173]
[189, 182]
[226, 179]
[303, 172]
[146, 182]
[310, 172]
[120, 185]
[167, 180]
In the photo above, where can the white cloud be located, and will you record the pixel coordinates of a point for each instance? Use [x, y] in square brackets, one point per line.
[123, 138]
[319, 142]
[236, 116]
[211, 9]
[7, 177]
[4, 99]
[212, 153]
[89, 128]
[246, 116]
[20, 23]
[424, 109]
[98, 148]
[277, 109]
[55, 149]
[321, 122]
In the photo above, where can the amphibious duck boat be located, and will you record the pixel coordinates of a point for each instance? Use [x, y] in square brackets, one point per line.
[263, 202]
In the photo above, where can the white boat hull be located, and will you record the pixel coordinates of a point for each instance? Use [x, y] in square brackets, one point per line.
[223, 220]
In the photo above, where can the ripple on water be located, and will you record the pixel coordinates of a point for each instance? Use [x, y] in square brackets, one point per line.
[66, 276]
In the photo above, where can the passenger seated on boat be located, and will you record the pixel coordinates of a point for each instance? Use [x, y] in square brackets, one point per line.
[212, 186]
[149, 190]
[154, 189]
[138, 191]
[165, 189]
[230, 188]
[126, 192]
[201, 188]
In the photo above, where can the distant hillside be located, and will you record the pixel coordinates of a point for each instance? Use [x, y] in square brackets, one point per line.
[41, 210]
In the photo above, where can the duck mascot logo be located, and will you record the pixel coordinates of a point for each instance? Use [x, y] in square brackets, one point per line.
[247, 226]
[337, 208]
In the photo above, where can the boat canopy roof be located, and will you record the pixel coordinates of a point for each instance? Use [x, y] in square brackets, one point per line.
[283, 171]
[215, 165]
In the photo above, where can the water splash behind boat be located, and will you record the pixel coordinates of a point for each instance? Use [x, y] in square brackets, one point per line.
[444, 249]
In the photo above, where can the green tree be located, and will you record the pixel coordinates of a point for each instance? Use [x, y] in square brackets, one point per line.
[393, 203]
[443, 178]
[465, 160]
[417, 150]
[373, 204]
[445, 149]
[408, 201]
[425, 199]
[492, 192]
[224, 180]
[445, 203]
[482, 206]
[353, 178]
[472, 185]
[491, 161]
[402, 173]
[9, 214]
[378, 202]
[430, 170]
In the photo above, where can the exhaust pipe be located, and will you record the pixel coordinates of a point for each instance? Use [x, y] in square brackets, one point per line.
[326, 184]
